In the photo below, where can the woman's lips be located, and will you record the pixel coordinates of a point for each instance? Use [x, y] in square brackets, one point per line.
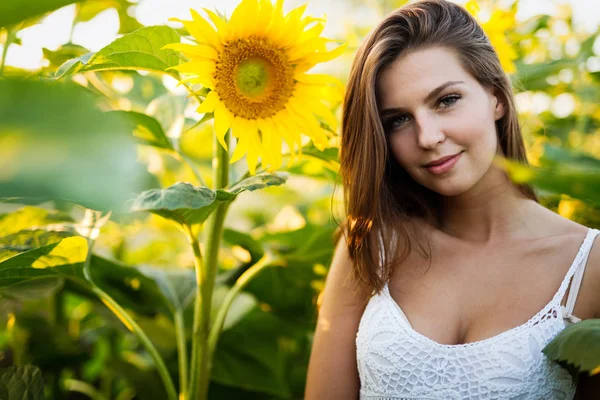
[445, 166]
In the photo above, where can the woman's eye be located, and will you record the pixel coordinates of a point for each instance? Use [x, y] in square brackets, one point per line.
[449, 100]
[395, 122]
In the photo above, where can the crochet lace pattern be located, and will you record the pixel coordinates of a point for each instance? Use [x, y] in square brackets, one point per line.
[396, 362]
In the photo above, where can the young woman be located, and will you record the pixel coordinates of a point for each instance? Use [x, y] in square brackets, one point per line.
[450, 279]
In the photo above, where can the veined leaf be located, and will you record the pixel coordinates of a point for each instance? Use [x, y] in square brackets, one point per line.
[178, 286]
[188, 204]
[65, 259]
[146, 129]
[24, 382]
[579, 345]
[56, 143]
[562, 173]
[138, 50]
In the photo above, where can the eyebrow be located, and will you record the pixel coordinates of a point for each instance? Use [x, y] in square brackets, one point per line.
[429, 97]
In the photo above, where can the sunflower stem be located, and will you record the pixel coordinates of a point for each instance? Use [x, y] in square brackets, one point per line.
[130, 323]
[266, 261]
[201, 365]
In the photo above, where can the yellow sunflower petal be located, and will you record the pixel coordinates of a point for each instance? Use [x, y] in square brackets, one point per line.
[321, 56]
[223, 121]
[309, 123]
[196, 66]
[324, 112]
[217, 21]
[264, 16]
[306, 48]
[317, 79]
[271, 141]
[195, 50]
[209, 103]
[203, 31]
[243, 19]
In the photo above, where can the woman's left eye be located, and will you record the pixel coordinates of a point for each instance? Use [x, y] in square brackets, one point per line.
[448, 100]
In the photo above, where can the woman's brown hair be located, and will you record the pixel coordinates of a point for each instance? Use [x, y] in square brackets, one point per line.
[381, 199]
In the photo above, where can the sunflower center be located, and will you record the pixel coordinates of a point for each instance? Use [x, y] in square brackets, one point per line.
[254, 78]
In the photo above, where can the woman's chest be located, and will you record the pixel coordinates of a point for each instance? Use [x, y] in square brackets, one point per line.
[463, 295]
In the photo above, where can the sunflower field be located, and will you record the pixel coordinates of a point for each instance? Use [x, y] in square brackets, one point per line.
[169, 190]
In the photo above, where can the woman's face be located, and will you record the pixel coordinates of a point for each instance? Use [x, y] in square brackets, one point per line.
[431, 108]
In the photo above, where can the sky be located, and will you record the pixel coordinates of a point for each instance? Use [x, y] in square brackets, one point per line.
[100, 31]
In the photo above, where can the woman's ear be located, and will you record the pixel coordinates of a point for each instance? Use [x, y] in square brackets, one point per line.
[499, 106]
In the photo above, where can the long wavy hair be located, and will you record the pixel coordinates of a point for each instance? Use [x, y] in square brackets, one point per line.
[380, 198]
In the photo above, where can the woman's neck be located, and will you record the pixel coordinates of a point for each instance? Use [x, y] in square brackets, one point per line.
[494, 209]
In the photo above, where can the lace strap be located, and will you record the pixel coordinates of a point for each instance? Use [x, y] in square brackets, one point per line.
[577, 270]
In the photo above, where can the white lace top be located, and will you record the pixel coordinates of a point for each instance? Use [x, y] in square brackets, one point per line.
[397, 362]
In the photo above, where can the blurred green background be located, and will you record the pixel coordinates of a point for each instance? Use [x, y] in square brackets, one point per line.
[80, 347]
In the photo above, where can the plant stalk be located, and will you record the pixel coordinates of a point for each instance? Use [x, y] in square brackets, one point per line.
[240, 283]
[130, 323]
[182, 354]
[201, 366]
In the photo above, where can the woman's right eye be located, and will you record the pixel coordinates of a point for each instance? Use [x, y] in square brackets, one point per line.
[395, 122]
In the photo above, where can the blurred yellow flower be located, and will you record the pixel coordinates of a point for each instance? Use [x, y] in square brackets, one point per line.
[255, 66]
[495, 28]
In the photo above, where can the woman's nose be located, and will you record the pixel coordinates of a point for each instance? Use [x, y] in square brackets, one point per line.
[429, 132]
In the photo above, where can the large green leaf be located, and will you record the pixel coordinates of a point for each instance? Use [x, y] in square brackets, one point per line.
[46, 344]
[182, 202]
[249, 355]
[65, 259]
[168, 110]
[38, 288]
[258, 182]
[579, 345]
[29, 218]
[533, 76]
[188, 204]
[289, 289]
[12, 12]
[562, 172]
[176, 285]
[55, 142]
[138, 50]
[146, 129]
[23, 382]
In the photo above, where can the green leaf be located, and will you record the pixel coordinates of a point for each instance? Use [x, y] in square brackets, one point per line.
[32, 289]
[28, 218]
[246, 242]
[64, 259]
[258, 182]
[12, 12]
[178, 286]
[21, 383]
[564, 173]
[169, 110]
[146, 129]
[138, 50]
[55, 142]
[533, 76]
[249, 355]
[46, 344]
[64, 53]
[188, 204]
[579, 345]
[182, 202]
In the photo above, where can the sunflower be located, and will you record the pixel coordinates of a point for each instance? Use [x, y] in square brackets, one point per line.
[255, 65]
[495, 28]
